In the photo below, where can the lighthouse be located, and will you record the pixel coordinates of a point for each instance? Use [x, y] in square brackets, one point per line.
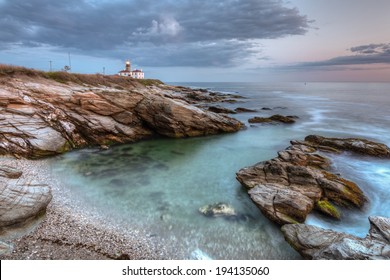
[136, 73]
[128, 66]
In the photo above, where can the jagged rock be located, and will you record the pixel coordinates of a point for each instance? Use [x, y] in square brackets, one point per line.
[41, 117]
[316, 243]
[244, 110]
[357, 145]
[176, 119]
[281, 205]
[21, 201]
[218, 210]
[272, 119]
[297, 181]
[220, 110]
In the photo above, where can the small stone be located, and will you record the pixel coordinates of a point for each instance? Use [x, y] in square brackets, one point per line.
[217, 210]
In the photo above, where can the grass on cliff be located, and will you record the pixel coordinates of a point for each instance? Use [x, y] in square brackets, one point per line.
[89, 79]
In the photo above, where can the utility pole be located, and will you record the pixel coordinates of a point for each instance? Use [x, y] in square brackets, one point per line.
[70, 62]
[50, 66]
[104, 70]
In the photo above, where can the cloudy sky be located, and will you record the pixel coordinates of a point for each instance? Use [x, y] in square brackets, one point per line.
[203, 40]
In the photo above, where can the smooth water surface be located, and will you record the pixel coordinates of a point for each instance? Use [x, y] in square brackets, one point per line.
[159, 185]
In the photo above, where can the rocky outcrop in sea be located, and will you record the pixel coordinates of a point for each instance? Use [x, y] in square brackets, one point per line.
[300, 180]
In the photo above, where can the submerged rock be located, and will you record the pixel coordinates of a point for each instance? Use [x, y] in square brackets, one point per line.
[272, 119]
[218, 210]
[198, 254]
[317, 243]
[288, 187]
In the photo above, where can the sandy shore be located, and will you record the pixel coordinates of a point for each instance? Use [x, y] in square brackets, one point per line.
[70, 231]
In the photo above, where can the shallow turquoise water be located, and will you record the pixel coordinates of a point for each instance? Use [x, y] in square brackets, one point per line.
[159, 185]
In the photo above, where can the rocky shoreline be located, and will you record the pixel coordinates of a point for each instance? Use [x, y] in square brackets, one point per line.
[44, 114]
[300, 180]
[43, 117]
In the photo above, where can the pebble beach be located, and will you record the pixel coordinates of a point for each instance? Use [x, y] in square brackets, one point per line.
[70, 231]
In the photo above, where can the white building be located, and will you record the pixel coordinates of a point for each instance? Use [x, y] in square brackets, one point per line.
[136, 74]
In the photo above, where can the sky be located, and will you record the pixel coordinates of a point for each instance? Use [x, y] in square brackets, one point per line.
[203, 40]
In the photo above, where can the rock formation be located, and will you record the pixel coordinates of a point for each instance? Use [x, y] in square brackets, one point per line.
[274, 119]
[244, 110]
[21, 200]
[220, 110]
[42, 116]
[288, 187]
[316, 243]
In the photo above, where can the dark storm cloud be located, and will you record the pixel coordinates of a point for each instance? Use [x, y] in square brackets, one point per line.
[361, 55]
[181, 32]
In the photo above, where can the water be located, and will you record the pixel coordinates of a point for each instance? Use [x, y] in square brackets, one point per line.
[159, 185]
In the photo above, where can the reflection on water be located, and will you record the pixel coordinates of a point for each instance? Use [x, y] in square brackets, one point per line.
[159, 185]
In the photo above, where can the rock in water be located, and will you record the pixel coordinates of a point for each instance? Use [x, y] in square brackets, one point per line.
[288, 187]
[244, 110]
[218, 210]
[21, 201]
[316, 243]
[220, 110]
[357, 145]
[273, 119]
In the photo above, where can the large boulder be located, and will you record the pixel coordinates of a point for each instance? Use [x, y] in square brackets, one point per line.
[175, 118]
[21, 200]
[317, 243]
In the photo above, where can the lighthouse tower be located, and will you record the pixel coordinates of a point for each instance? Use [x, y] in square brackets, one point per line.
[128, 66]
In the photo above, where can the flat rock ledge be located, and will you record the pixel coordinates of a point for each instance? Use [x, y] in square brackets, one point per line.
[274, 119]
[20, 200]
[322, 244]
[287, 188]
[41, 117]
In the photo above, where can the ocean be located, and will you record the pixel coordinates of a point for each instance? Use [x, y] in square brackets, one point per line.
[159, 185]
